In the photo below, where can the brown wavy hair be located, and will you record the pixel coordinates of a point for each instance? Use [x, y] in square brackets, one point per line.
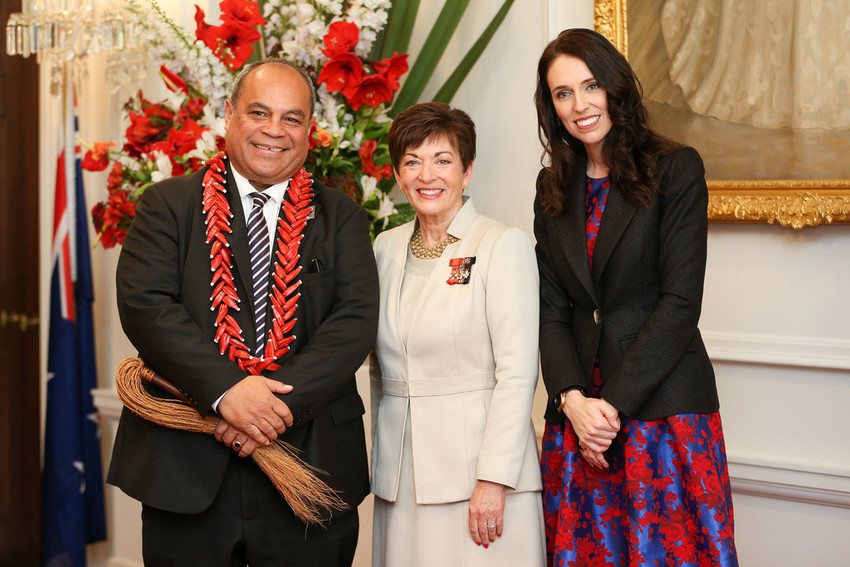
[630, 149]
[429, 120]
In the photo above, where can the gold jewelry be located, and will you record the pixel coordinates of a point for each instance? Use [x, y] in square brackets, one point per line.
[465, 187]
[423, 252]
[563, 401]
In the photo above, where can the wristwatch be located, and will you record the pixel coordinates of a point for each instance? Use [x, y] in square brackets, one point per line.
[559, 400]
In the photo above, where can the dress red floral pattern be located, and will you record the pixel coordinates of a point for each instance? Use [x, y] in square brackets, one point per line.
[666, 498]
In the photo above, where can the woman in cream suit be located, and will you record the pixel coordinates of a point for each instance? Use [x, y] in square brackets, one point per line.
[455, 468]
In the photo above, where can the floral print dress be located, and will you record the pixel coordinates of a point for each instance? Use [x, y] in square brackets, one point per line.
[666, 498]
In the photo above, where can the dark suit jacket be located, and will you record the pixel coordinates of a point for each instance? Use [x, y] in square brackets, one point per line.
[638, 311]
[163, 282]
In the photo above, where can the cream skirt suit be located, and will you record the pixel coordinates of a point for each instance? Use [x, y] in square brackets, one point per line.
[453, 376]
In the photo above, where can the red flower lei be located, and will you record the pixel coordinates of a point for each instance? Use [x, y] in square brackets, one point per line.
[284, 300]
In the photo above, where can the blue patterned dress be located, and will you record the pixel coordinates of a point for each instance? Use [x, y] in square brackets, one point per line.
[666, 498]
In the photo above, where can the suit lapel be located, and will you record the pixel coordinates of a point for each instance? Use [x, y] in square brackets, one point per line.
[398, 253]
[573, 232]
[618, 213]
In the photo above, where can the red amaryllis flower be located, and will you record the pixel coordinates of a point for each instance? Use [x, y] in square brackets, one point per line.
[109, 236]
[341, 38]
[97, 216]
[192, 109]
[113, 218]
[116, 176]
[119, 209]
[367, 150]
[140, 134]
[392, 68]
[180, 141]
[97, 158]
[186, 137]
[372, 169]
[194, 164]
[342, 73]
[243, 11]
[231, 42]
[372, 91]
[157, 113]
[202, 28]
[368, 165]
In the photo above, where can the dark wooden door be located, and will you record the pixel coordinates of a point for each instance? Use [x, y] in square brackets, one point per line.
[20, 448]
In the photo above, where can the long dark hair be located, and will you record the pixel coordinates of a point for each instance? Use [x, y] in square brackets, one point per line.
[630, 148]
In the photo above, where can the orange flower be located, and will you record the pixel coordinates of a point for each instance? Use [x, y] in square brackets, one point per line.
[324, 138]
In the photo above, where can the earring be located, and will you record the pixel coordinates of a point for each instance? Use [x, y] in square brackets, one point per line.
[465, 187]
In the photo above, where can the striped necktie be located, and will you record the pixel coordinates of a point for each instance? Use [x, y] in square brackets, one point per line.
[258, 242]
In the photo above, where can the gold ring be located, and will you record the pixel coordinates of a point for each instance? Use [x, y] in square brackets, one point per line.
[237, 445]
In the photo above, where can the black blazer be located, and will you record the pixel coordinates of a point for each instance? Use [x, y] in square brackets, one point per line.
[163, 284]
[638, 311]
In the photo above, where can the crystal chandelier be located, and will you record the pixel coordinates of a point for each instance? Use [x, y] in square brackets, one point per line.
[59, 31]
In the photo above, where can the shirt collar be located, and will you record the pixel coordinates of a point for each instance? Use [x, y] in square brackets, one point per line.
[275, 192]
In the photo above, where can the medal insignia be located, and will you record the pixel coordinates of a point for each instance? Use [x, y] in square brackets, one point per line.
[461, 270]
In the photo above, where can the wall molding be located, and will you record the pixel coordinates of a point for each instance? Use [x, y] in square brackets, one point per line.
[795, 481]
[107, 401]
[805, 352]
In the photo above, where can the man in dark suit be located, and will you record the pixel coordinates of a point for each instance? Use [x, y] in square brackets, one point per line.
[180, 275]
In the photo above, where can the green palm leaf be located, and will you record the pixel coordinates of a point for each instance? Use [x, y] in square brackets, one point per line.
[452, 84]
[430, 54]
[395, 37]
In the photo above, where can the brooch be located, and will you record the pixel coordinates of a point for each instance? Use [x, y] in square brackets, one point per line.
[461, 270]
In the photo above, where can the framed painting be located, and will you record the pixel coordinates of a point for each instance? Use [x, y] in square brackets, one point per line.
[759, 90]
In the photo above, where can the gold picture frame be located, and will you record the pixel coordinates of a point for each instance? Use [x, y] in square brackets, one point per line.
[794, 203]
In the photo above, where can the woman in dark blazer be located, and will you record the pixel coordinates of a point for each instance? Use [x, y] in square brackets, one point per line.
[634, 463]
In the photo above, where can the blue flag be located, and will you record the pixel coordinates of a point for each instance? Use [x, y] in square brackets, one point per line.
[72, 481]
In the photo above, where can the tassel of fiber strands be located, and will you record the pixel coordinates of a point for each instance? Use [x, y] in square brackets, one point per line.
[306, 493]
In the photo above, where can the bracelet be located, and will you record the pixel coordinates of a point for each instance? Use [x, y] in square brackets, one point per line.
[563, 401]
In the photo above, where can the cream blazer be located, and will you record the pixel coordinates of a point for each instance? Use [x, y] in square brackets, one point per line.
[468, 371]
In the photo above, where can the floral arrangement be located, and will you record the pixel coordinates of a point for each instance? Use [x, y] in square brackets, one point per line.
[332, 39]
[355, 49]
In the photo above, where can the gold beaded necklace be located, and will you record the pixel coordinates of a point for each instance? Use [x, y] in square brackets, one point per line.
[423, 252]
